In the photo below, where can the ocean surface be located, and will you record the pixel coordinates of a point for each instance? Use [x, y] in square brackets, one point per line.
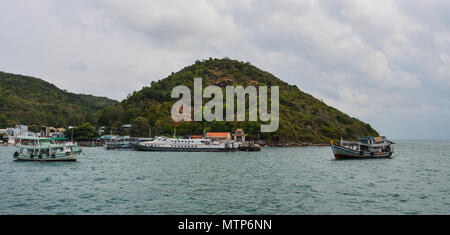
[304, 180]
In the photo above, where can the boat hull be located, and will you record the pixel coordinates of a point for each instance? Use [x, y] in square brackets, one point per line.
[59, 158]
[345, 153]
[120, 147]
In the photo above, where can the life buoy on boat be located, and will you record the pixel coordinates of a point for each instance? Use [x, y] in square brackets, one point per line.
[53, 155]
[31, 156]
[16, 154]
[67, 153]
[40, 156]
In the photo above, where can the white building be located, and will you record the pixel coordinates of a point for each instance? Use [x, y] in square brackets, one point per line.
[19, 130]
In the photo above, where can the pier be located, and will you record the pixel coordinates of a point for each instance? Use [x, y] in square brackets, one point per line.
[250, 147]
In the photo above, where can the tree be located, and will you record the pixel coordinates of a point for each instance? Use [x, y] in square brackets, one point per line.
[140, 127]
[84, 132]
[3, 121]
[34, 128]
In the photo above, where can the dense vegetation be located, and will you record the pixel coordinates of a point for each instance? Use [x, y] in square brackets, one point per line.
[302, 117]
[83, 132]
[34, 102]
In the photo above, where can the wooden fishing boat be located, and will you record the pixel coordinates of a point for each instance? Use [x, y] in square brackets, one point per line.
[364, 148]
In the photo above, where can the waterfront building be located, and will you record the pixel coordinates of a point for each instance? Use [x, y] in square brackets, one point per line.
[219, 136]
[17, 130]
[239, 135]
[48, 131]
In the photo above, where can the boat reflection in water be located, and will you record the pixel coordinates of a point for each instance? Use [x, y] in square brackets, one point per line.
[365, 147]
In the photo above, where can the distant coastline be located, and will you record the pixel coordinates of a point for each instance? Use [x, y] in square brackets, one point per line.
[281, 145]
[295, 144]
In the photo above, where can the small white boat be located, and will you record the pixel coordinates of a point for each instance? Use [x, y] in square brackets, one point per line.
[366, 147]
[45, 149]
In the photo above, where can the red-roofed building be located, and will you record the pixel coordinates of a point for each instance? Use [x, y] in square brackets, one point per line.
[196, 137]
[218, 136]
[240, 136]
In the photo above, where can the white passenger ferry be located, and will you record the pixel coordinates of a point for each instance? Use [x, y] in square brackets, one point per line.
[45, 149]
[186, 145]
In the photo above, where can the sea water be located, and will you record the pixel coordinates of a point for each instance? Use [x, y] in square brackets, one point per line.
[305, 180]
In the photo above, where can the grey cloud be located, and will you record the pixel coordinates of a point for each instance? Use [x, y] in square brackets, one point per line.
[78, 66]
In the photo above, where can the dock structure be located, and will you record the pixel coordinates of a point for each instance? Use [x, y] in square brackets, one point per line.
[250, 147]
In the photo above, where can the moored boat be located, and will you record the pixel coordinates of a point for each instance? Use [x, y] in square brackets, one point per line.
[119, 144]
[45, 149]
[186, 145]
[364, 148]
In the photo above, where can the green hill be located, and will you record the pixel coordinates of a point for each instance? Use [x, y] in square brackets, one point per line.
[33, 101]
[303, 118]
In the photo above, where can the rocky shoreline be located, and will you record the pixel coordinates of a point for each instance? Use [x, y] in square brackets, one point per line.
[294, 144]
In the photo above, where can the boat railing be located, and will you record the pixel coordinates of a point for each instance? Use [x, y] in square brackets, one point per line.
[44, 145]
[349, 143]
[345, 143]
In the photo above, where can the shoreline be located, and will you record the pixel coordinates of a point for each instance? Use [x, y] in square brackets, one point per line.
[87, 144]
[295, 144]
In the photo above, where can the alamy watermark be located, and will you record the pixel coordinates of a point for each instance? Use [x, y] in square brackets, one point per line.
[182, 109]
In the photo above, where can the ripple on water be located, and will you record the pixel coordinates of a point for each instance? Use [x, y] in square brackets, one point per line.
[99, 179]
[274, 181]
[86, 195]
[46, 179]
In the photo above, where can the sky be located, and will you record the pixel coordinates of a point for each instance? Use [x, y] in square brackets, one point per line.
[384, 62]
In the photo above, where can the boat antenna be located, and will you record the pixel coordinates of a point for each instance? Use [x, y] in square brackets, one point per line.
[175, 132]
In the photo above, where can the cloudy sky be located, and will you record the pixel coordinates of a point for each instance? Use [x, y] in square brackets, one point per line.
[384, 62]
